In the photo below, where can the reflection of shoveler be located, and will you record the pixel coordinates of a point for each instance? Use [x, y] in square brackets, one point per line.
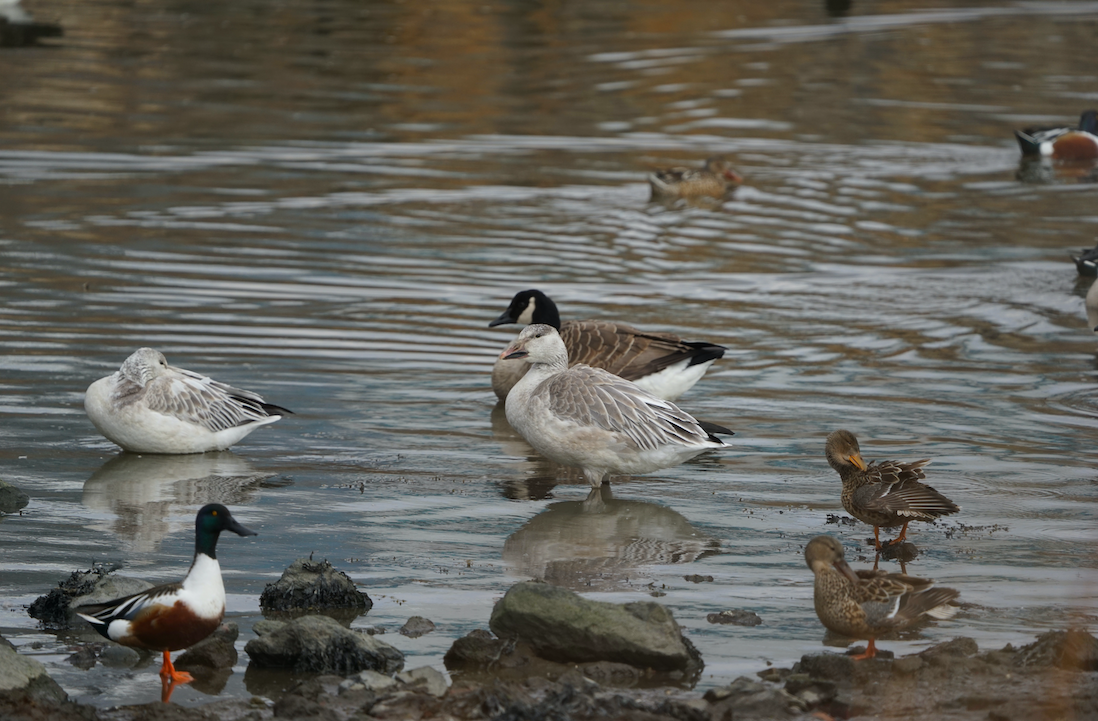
[712, 180]
[866, 604]
[148, 406]
[1087, 261]
[884, 493]
[594, 420]
[176, 615]
[1063, 143]
[661, 363]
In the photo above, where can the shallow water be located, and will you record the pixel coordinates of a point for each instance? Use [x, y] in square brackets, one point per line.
[327, 203]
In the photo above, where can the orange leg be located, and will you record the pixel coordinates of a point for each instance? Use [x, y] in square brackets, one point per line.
[900, 538]
[168, 672]
[870, 651]
[877, 536]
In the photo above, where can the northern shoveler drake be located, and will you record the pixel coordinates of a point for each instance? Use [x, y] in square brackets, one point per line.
[885, 493]
[1079, 143]
[148, 406]
[661, 363]
[592, 419]
[1087, 261]
[176, 615]
[867, 604]
[712, 180]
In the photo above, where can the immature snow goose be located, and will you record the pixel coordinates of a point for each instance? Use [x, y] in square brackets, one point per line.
[867, 604]
[661, 363]
[148, 406]
[594, 420]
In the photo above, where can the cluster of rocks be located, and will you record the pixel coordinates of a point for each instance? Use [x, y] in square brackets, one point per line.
[551, 654]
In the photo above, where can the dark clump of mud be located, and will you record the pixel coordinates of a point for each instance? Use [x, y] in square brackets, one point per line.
[309, 586]
[53, 608]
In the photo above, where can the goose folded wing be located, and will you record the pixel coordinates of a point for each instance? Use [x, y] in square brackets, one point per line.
[595, 398]
[204, 401]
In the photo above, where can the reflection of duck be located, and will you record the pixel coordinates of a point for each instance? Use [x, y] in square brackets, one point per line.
[18, 28]
[177, 615]
[712, 180]
[884, 493]
[867, 604]
[141, 491]
[1079, 143]
[148, 406]
[591, 419]
[601, 541]
[661, 363]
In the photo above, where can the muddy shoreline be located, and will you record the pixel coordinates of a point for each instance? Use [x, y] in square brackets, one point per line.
[1055, 677]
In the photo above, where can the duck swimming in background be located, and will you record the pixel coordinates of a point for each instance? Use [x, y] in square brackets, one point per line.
[1087, 262]
[1079, 143]
[867, 604]
[661, 363]
[148, 406]
[884, 493]
[594, 420]
[712, 180]
[176, 615]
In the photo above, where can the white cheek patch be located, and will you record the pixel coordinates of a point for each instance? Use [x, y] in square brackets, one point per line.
[527, 316]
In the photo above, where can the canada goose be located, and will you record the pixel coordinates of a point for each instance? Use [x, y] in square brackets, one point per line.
[661, 363]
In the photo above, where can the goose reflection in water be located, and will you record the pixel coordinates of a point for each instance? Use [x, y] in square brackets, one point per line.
[151, 496]
[600, 542]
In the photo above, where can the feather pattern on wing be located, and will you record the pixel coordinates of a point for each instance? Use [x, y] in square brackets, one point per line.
[594, 397]
[203, 401]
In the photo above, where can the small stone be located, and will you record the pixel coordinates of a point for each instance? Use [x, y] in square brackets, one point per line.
[218, 650]
[369, 681]
[11, 498]
[432, 680]
[319, 644]
[696, 578]
[907, 665]
[475, 651]
[116, 655]
[267, 626]
[417, 626]
[83, 659]
[735, 616]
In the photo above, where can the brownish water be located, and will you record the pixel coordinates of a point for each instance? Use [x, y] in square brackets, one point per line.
[326, 202]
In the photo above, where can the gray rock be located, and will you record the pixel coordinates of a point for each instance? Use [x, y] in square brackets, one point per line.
[319, 644]
[115, 655]
[563, 626]
[367, 681]
[217, 650]
[432, 681]
[476, 650]
[96, 585]
[746, 698]
[21, 673]
[266, 626]
[312, 586]
[11, 498]
[416, 626]
[735, 616]
[1071, 650]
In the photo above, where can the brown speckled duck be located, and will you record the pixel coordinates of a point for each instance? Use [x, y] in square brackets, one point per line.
[713, 180]
[867, 604]
[884, 493]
